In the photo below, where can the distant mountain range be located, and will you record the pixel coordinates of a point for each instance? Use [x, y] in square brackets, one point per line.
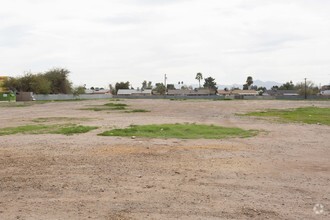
[259, 83]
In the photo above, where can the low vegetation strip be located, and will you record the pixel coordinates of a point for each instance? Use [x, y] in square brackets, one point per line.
[98, 109]
[57, 119]
[308, 115]
[136, 111]
[16, 104]
[116, 104]
[108, 107]
[68, 129]
[114, 107]
[182, 131]
[30, 129]
[74, 129]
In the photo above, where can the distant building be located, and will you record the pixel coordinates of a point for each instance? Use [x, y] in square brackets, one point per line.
[325, 90]
[146, 92]
[134, 92]
[194, 92]
[238, 92]
[282, 92]
[224, 92]
[98, 91]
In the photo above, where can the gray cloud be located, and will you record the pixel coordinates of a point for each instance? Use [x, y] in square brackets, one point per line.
[118, 40]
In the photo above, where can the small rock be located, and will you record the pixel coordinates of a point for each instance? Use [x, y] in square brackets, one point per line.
[133, 137]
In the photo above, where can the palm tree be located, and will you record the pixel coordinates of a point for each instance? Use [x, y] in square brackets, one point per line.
[249, 81]
[199, 77]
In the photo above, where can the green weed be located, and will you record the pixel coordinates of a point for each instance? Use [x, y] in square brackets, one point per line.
[57, 119]
[68, 129]
[183, 131]
[136, 111]
[74, 129]
[107, 107]
[308, 115]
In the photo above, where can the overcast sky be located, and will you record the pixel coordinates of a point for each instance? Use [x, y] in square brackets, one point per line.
[106, 41]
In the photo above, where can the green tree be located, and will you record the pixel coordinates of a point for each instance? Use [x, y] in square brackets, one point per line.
[59, 80]
[53, 81]
[261, 90]
[12, 84]
[184, 87]
[274, 88]
[149, 86]
[25, 83]
[144, 85]
[79, 90]
[199, 77]
[112, 89]
[249, 82]
[40, 84]
[287, 86]
[170, 86]
[160, 88]
[121, 85]
[210, 83]
[36, 83]
[310, 88]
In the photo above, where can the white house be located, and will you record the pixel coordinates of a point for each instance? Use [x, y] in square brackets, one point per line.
[134, 92]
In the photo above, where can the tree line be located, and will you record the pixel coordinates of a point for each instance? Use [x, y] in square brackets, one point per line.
[55, 81]
[161, 88]
[210, 83]
[308, 87]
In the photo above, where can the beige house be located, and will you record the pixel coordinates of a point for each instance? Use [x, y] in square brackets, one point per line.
[186, 92]
[238, 92]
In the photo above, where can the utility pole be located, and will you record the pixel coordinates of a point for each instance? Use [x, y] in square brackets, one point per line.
[165, 78]
[305, 89]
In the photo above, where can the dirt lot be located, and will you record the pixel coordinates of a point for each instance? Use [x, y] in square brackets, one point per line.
[280, 174]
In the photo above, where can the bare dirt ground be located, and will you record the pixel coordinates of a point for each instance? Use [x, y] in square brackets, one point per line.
[282, 173]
